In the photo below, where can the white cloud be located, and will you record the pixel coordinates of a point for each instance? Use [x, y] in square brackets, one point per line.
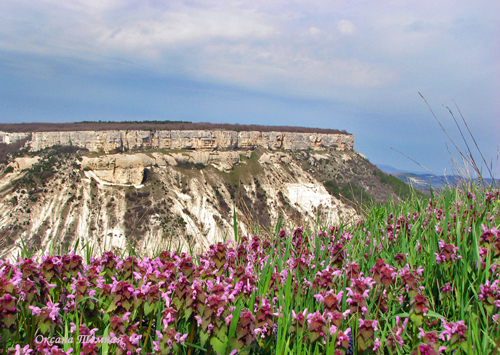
[187, 28]
[315, 31]
[304, 47]
[346, 27]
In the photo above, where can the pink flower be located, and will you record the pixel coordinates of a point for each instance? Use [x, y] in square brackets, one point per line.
[22, 351]
[447, 253]
[180, 339]
[454, 332]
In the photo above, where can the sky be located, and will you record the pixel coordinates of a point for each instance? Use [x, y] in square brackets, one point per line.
[357, 66]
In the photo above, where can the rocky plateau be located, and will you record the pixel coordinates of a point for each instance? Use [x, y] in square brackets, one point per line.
[151, 190]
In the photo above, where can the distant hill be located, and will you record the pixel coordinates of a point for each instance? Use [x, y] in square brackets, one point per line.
[423, 181]
[388, 169]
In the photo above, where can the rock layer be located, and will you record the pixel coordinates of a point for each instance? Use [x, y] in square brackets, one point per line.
[9, 138]
[128, 169]
[120, 141]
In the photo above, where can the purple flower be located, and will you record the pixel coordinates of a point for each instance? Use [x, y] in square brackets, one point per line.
[454, 332]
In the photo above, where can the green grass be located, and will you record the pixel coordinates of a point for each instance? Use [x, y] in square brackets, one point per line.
[387, 282]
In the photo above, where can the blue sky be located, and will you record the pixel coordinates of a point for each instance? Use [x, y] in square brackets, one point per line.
[357, 66]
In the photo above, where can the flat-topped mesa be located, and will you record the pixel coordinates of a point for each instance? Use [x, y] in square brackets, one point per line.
[135, 140]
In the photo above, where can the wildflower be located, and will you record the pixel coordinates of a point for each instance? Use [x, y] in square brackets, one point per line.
[428, 337]
[329, 300]
[448, 253]
[396, 337]
[420, 304]
[447, 288]
[344, 340]
[490, 239]
[245, 329]
[454, 332]
[22, 351]
[427, 349]
[264, 317]
[317, 326]
[298, 321]
[180, 338]
[325, 279]
[366, 333]
[357, 301]
[400, 258]
[383, 273]
[489, 295]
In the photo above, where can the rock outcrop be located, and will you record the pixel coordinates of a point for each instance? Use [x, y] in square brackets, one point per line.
[9, 138]
[128, 169]
[23, 163]
[119, 168]
[121, 141]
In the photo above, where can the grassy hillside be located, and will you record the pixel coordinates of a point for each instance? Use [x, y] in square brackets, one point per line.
[352, 178]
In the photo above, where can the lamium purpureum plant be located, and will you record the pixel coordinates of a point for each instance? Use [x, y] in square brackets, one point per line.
[419, 277]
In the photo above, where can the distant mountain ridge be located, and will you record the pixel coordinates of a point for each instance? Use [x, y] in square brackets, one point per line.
[423, 181]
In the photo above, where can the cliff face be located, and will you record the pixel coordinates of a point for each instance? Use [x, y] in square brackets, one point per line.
[9, 138]
[169, 188]
[119, 141]
[129, 169]
[184, 199]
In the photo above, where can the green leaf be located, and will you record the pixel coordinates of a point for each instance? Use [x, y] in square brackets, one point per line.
[66, 345]
[235, 225]
[434, 314]
[236, 344]
[204, 337]
[111, 307]
[44, 327]
[195, 346]
[149, 307]
[218, 345]
[235, 319]
[105, 345]
[401, 315]
[417, 319]
[187, 313]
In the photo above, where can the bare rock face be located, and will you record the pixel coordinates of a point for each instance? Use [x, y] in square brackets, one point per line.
[275, 158]
[20, 164]
[222, 161]
[128, 169]
[119, 168]
[119, 141]
[10, 138]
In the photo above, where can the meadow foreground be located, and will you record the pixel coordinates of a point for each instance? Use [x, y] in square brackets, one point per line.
[420, 277]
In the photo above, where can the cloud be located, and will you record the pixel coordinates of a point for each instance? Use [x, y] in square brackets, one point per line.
[346, 27]
[315, 31]
[371, 57]
[188, 28]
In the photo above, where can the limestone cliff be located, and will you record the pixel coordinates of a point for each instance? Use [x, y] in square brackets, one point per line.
[9, 138]
[183, 199]
[151, 190]
[134, 140]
